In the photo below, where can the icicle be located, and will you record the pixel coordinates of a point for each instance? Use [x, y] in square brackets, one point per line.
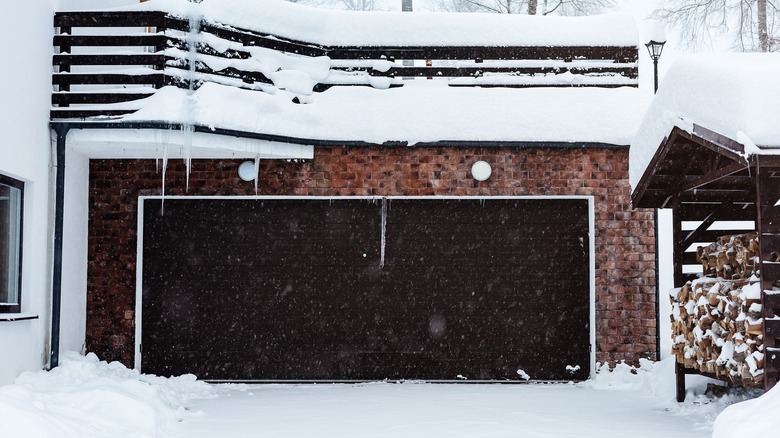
[187, 131]
[157, 165]
[192, 46]
[257, 171]
[384, 229]
[164, 169]
[188, 127]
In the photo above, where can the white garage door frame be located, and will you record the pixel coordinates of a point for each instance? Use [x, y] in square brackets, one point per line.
[591, 234]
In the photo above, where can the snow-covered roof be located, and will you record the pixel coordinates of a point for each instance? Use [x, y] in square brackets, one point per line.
[735, 95]
[363, 28]
[421, 111]
[390, 109]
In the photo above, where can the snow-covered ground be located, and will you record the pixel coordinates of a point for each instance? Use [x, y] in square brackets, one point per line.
[88, 398]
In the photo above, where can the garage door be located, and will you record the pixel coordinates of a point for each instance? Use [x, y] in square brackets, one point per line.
[366, 289]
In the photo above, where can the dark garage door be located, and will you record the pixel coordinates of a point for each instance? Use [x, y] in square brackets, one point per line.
[366, 289]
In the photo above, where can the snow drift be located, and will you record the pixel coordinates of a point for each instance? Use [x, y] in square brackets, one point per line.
[757, 417]
[85, 397]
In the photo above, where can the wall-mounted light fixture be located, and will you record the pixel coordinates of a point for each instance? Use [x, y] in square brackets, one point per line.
[246, 171]
[481, 171]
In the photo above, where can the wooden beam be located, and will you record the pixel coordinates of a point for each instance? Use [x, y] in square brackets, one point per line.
[771, 304]
[255, 39]
[729, 211]
[669, 181]
[498, 84]
[614, 53]
[677, 249]
[715, 142]
[111, 40]
[154, 59]
[767, 180]
[679, 373]
[70, 113]
[627, 72]
[769, 270]
[714, 176]
[710, 195]
[110, 19]
[693, 235]
[153, 79]
[772, 328]
[71, 98]
[642, 188]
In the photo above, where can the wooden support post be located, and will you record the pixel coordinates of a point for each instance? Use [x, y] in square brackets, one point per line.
[768, 226]
[679, 374]
[678, 249]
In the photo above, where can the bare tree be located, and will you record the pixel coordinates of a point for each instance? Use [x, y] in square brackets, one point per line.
[531, 7]
[753, 24]
[352, 5]
[359, 5]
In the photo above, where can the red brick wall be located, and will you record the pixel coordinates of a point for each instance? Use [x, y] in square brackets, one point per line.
[625, 244]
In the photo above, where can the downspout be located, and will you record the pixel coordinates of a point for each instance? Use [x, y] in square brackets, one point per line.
[59, 205]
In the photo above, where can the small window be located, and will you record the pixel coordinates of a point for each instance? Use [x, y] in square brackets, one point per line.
[11, 192]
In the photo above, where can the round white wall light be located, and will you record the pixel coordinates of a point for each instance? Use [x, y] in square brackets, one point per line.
[246, 171]
[481, 171]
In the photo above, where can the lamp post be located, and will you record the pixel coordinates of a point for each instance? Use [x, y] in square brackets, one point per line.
[655, 48]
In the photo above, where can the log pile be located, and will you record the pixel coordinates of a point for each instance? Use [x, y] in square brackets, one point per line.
[731, 257]
[717, 327]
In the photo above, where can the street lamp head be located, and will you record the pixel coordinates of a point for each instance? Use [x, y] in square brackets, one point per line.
[655, 48]
[656, 37]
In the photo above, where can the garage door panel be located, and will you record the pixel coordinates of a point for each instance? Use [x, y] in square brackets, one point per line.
[378, 366]
[485, 230]
[283, 237]
[298, 288]
[505, 211]
[222, 251]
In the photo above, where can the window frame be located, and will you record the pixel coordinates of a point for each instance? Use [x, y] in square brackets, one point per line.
[17, 184]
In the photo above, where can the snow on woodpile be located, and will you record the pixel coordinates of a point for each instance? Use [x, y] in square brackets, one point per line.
[84, 397]
[733, 94]
[717, 327]
[363, 28]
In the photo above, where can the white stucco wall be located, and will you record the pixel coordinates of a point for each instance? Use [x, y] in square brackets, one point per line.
[73, 311]
[25, 84]
[25, 154]
[74, 257]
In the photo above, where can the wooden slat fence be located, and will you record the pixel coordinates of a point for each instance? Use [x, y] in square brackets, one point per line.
[120, 57]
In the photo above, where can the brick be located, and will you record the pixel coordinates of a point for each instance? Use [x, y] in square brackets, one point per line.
[624, 242]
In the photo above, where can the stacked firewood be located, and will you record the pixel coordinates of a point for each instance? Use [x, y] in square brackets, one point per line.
[717, 326]
[731, 257]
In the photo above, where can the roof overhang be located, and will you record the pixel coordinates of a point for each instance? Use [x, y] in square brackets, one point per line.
[699, 165]
[157, 140]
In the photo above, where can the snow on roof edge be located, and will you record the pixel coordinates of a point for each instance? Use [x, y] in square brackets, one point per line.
[373, 28]
[731, 94]
[419, 112]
